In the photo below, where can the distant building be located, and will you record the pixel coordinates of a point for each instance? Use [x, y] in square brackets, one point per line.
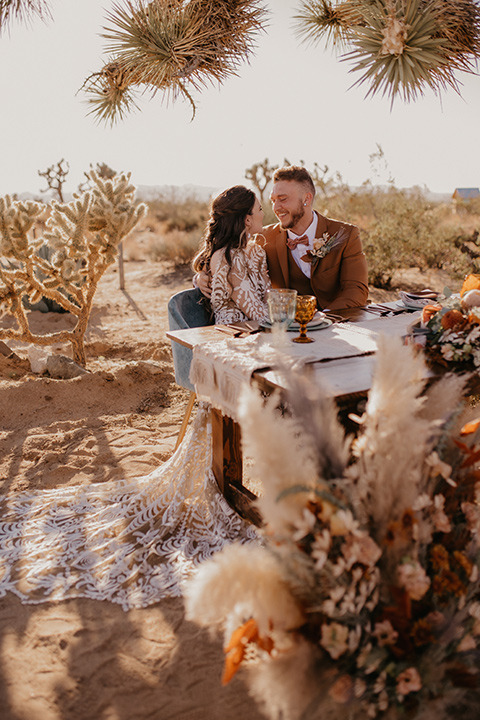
[465, 193]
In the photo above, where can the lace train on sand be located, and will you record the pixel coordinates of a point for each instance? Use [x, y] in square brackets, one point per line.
[130, 542]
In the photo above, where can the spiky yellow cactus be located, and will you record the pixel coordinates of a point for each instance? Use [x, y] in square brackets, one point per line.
[82, 238]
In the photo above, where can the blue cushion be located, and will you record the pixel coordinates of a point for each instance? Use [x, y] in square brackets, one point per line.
[186, 309]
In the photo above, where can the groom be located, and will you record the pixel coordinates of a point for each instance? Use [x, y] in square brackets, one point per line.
[307, 251]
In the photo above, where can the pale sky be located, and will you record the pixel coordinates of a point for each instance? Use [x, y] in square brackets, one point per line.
[292, 101]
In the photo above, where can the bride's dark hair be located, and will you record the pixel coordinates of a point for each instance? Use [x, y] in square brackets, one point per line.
[226, 225]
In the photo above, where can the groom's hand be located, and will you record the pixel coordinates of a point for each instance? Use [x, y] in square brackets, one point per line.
[202, 280]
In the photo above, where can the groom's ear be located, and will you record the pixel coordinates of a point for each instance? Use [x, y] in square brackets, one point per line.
[308, 199]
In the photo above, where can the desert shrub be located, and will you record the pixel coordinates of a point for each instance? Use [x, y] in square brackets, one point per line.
[403, 228]
[179, 212]
[178, 246]
[468, 207]
[65, 264]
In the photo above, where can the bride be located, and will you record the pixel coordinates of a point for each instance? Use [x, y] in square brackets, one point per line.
[136, 541]
[237, 265]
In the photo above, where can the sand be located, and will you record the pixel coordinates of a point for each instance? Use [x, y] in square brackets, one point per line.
[82, 659]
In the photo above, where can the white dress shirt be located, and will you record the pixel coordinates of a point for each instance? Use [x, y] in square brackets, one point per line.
[301, 250]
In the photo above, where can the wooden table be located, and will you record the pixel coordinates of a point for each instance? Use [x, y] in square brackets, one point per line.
[348, 379]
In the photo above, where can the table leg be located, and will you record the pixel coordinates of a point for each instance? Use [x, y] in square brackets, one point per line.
[227, 466]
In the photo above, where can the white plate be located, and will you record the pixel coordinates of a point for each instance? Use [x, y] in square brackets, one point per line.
[317, 323]
[318, 318]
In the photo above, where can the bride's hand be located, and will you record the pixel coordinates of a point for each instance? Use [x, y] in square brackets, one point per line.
[202, 280]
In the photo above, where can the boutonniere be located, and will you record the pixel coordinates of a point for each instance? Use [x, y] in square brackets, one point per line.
[325, 244]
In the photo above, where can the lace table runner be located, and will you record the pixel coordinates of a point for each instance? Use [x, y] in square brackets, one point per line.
[219, 369]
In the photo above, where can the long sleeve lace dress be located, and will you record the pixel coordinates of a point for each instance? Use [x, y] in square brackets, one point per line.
[239, 290]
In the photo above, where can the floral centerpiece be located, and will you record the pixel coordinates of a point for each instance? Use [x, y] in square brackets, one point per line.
[363, 599]
[453, 327]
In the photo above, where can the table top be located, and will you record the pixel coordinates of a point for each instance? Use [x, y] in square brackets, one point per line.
[343, 370]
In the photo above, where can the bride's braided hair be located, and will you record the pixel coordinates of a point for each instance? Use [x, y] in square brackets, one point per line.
[226, 225]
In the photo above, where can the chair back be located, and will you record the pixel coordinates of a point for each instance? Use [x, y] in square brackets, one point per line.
[186, 309]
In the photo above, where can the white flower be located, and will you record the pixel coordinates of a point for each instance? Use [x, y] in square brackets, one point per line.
[408, 681]
[473, 335]
[304, 525]
[343, 523]
[440, 520]
[363, 655]
[467, 643]
[354, 638]
[320, 548]
[447, 351]
[336, 594]
[423, 501]
[379, 683]
[334, 639]
[437, 466]
[476, 357]
[385, 633]
[359, 687]
[414, 579]
[383, 701]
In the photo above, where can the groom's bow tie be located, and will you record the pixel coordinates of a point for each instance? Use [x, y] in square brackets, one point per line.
[293, 242]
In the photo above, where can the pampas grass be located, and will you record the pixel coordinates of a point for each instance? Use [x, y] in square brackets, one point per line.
[220, 589]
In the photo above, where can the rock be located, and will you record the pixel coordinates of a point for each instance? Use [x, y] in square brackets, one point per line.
[38, 358]
[63, 368]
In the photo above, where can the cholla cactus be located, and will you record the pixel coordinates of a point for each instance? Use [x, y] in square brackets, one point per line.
[82, 238]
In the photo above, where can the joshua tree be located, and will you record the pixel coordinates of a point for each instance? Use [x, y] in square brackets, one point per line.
[260, 175]
[22, 10]
[82, 236]
[173, 46]
[399, 48]
[55, 175]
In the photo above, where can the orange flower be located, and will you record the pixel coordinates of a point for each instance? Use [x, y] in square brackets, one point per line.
[470, 427]
[429, 311]
[471, 282]
[236, 648]
[464, 562]
[453, 320]
[474, 317]
[342, 689]
[422, 633]
[446, 584]
[439, 558]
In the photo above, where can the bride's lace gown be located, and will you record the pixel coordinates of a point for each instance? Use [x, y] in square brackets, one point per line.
[136, 541]
[238, 291]
[130, 541]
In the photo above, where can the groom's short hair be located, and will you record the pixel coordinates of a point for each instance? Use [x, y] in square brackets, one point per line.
[297, 173]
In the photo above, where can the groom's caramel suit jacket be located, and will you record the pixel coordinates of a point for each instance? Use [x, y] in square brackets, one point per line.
[339, 280]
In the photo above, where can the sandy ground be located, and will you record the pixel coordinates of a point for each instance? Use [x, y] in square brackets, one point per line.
[82, 659]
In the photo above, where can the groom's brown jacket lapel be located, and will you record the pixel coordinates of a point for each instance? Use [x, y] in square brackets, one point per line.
[339, 280]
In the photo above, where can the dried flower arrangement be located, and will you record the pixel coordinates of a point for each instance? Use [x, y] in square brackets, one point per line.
[451, 327]
[363, 599]
[65, 264]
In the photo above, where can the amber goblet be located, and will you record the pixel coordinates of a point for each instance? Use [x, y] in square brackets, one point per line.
[306, 309]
